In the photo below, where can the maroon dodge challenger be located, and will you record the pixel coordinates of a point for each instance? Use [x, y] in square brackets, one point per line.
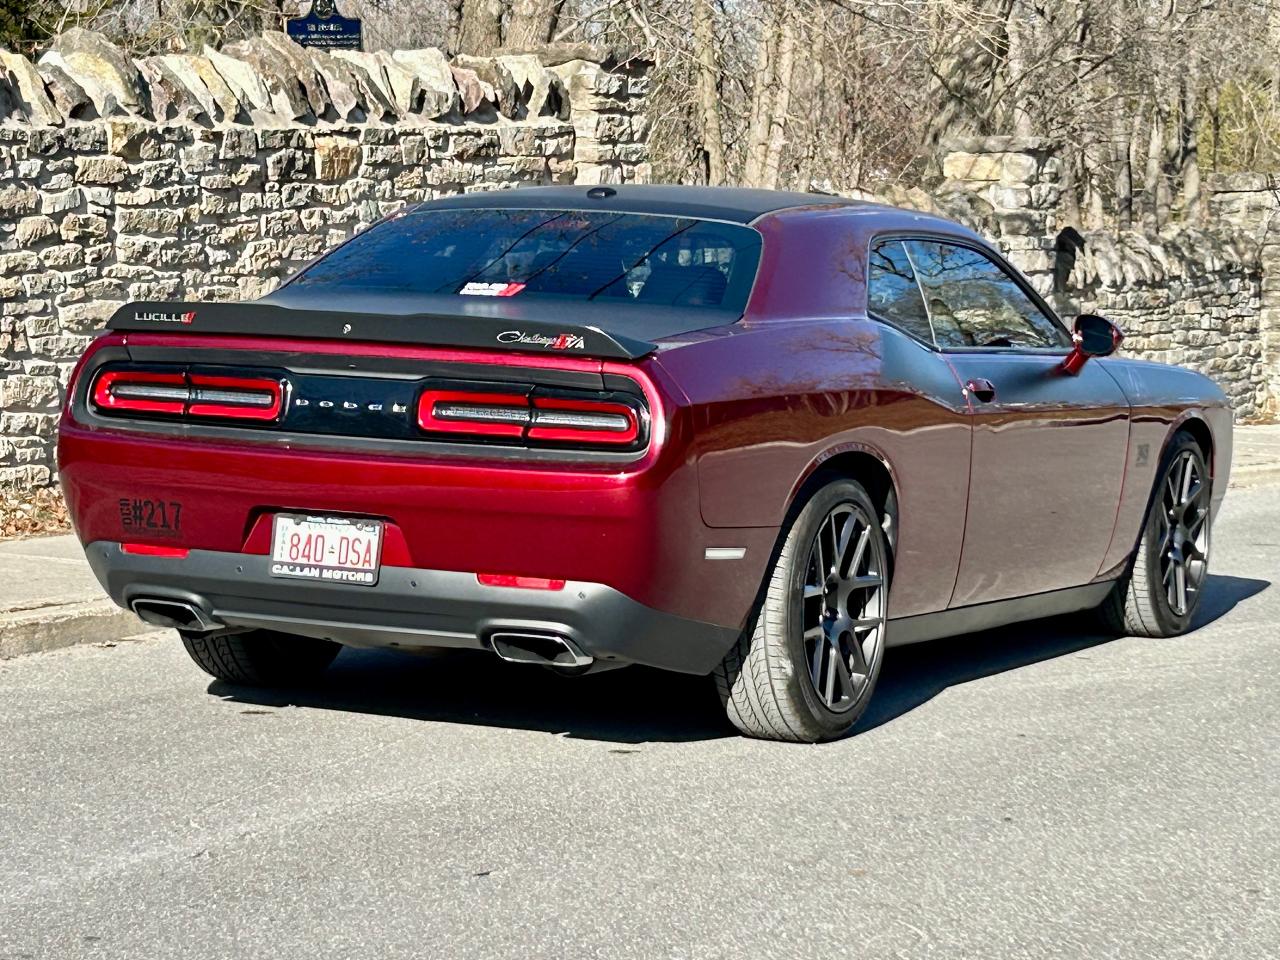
[750, 434]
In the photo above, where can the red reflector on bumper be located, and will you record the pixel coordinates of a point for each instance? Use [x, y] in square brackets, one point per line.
[152, 550]
[525, 583]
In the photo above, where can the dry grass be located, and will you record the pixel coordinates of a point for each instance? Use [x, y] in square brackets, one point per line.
[37, 513]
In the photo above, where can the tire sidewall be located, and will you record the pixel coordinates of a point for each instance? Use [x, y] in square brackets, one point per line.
[829, 723]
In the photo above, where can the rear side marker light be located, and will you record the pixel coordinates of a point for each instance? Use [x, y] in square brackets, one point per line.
[524, 583]
[193, 395]
[555, 419]
[151, 550]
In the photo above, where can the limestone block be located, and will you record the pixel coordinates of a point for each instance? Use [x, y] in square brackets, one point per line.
[277, 73]
[476, 95]
[25, 81]
[342, 85]
[402, 83]
[171, 98]
[242, 79]
[495, 73]
[336, 158]
[374, 88]
[431, 67]
[105, 170]
[16, 201]
[83, 226]
[104, 71]
[302, 62]
[33, 230]
[971, 166]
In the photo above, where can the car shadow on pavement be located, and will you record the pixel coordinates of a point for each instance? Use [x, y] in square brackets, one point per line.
[631, 705]
[914, 675]
[639, 705]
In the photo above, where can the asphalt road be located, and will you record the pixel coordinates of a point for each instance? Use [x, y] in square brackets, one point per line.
[1035, 792]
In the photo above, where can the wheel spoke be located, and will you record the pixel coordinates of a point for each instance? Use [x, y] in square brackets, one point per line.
[846, 679]
[810, 591]
[1194, 526]
[834, 658]
[1180, 580]
[834, 561]
[851, 567]
[819, 644]
[842, 544]
[859, 657]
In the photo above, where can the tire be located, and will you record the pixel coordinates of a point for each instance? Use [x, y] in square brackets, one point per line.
[260, 658]
[1154, 599]
[782, 680]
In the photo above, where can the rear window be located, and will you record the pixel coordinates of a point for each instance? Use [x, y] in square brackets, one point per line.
[567, 254]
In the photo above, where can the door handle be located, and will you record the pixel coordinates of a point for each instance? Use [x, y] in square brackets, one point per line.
[984, 390]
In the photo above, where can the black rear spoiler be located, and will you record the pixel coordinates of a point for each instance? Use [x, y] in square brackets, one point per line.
[485, 326]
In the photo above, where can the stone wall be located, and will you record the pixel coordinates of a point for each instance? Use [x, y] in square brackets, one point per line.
[1251, 201]
[214, 176]
[1205, 299]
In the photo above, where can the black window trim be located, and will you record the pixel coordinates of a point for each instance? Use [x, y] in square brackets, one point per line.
[995, 257]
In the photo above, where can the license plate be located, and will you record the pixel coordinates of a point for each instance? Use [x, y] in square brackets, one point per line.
[334, 549]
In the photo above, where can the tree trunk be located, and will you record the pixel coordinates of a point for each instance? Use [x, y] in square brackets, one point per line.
[1153, 186]
[1016, 65]
[757, 145]
[1124, 181]
[781, 102]
[704, 41]
[1071, 188]
[480, 26]
[1192, 199]
[532, 22]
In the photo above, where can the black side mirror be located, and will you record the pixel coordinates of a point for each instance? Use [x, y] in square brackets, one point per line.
[1094, 336]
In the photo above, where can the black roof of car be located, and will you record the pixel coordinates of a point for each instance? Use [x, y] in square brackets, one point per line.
[736, 204]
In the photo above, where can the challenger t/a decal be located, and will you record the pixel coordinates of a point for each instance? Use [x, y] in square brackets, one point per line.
[561, 341]
[157, 317]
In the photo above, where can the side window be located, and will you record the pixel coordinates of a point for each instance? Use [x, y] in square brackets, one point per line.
[974, 303]
[892, 291]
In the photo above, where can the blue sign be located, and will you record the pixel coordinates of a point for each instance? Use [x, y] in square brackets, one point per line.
[324, 27]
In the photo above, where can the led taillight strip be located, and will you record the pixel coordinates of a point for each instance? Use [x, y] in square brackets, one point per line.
[515, 415]
[195, 395]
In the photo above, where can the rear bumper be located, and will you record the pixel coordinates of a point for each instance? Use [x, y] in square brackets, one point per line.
[411, 608]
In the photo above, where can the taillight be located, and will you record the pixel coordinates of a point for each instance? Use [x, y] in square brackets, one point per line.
[125, 392]
[584, 421]
[240, 398]
[481, 414]
[581, 421]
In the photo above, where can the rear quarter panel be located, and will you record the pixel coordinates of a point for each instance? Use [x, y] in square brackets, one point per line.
[768, 403]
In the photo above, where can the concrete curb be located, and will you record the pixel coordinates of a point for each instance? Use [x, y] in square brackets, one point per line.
[64, 625]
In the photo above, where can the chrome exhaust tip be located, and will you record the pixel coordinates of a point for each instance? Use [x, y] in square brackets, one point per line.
[172, 614]
[544, 649]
